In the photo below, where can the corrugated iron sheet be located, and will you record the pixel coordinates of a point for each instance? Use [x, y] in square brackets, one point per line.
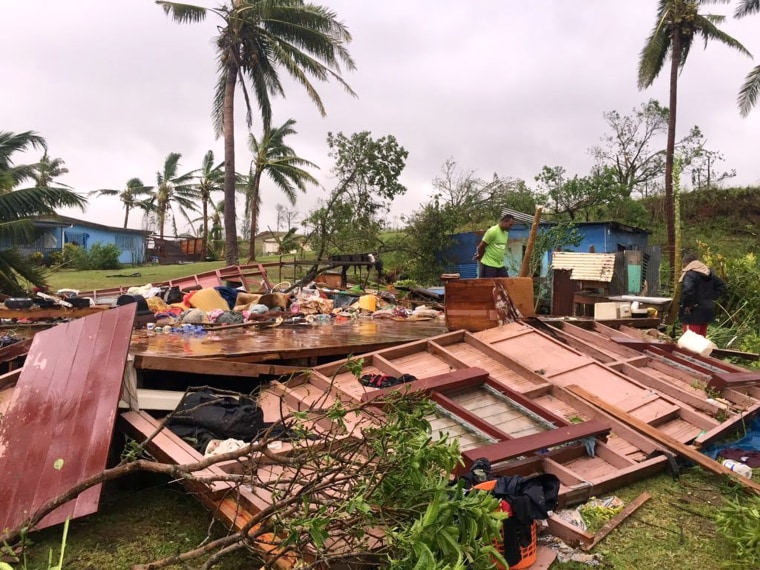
[585, 266]
[57, 430]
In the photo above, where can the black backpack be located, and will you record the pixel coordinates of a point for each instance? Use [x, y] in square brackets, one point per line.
[203, 415]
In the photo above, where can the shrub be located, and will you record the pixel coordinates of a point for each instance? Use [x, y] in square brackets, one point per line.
[37, 258]
[104, 256]
[99, 256]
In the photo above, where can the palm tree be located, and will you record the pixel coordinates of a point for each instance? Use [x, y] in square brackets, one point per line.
[751, 88]
[273, 157]
[47, 169]
[678, 23]
[210, 180]
[256, 37]
[135, 195]
[171, 189]
[17, 206]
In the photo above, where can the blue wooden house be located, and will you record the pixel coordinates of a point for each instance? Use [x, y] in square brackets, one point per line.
[52, 233]
[599, 237]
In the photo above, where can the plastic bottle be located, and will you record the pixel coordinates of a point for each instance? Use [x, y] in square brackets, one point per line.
[741, 468]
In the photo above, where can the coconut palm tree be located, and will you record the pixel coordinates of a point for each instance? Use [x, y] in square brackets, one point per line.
[271, 156]
[678, 24]
[171, 190]
[209, 180]
[134, 195]
[47, 169]
[18, 205]
[751, 88]
[256, 38]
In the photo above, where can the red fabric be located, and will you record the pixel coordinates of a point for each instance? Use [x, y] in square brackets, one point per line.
[186, 298]
[699, 329]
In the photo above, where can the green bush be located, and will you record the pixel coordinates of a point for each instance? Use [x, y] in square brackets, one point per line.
[37, 258]
[104, 256]
[99, 256]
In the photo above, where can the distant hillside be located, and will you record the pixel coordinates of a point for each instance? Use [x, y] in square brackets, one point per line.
[727, 219]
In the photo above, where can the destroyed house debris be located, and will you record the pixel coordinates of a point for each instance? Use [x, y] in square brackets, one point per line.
[596, 407]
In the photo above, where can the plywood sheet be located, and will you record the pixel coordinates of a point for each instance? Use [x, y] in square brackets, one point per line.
[58, 427]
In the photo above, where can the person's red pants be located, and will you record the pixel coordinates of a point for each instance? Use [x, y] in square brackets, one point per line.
[699, 329]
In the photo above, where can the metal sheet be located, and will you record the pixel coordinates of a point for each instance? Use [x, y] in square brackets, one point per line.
[585, 266]
[58, 427]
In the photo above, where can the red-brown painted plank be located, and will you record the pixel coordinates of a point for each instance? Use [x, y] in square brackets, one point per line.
[515, 447]
[454, 380]
[63, 410]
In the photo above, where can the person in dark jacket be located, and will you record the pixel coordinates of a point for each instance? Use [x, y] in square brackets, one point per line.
[700, 287]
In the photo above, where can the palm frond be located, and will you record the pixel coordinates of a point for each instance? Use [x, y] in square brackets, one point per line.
[748, 95]
[30, 202]
[183, 13]
[747, 7]
[709, 31]
[17, 142]
[104, 192]
[654, 53]
[17, 231]
[13, 266]
[171, 164]
[217, 107]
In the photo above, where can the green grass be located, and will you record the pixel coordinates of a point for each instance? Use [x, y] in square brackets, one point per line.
[148, 519]
[140, 275]
[106, 278]
[141, 519]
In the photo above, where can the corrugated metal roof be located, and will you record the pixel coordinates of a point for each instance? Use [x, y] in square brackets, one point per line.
[521, 217]
[585, 266]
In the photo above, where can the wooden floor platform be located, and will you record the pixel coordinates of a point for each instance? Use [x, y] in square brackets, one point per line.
[287, 344]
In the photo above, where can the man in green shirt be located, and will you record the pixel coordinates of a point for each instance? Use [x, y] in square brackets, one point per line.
[492, 248]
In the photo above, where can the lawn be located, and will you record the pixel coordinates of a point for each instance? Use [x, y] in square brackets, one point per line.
[140, 275]
[145, 518]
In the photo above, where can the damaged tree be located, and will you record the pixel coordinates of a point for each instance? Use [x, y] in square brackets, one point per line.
[330, 484]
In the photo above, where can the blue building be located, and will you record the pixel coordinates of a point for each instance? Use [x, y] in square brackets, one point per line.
[52, 233]
[599, 237]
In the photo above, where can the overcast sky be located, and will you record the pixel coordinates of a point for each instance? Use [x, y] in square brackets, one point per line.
[499, 86]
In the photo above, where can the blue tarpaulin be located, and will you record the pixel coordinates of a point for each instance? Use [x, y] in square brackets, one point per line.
[750, 442]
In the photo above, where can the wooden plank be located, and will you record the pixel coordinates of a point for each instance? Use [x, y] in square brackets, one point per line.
[470, 305]
[569, 533]
[216, 367]
[722, 380]
[15, 350]
[168, 447]
[615, 521]
[441, 383]
[58, 427]
[670, 389]
[728, 353]
[56, 313]
[523, 445]
[667, 441]
[468, 417]
[10, 378]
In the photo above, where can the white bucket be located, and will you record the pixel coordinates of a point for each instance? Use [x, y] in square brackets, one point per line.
[696, 343]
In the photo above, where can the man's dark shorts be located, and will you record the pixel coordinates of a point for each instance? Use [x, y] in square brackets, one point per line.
[486, 271]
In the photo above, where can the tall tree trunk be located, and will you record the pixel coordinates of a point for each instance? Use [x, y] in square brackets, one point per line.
[230, 222]
[255, 202]
[670, 150]
[161, 221]
[126, 217]
[204, 243]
